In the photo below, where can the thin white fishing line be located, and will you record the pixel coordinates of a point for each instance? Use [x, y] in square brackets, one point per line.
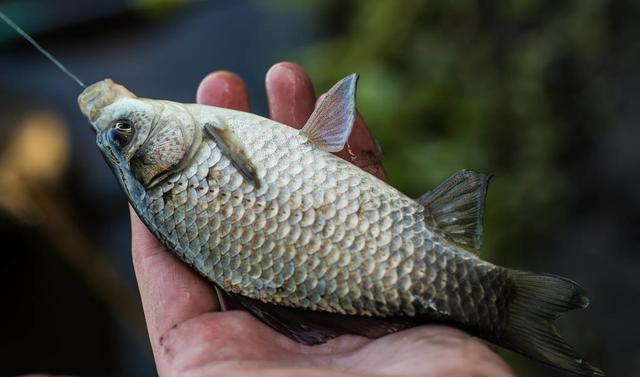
[41, 49]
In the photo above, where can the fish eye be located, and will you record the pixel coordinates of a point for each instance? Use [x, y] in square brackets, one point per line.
[123, 126]
[121, 131]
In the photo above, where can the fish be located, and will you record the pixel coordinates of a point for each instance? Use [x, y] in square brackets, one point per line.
[309, 243]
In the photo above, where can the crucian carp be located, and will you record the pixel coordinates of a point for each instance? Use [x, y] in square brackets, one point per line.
[311, 244]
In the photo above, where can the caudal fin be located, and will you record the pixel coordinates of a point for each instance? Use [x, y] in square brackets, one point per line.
[537, 301]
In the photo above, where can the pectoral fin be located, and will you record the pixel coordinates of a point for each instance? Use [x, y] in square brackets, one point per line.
[233, 149]
[330, 124]
[456, 207]
[313, 327]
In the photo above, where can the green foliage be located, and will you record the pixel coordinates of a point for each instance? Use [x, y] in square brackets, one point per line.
[467, 84]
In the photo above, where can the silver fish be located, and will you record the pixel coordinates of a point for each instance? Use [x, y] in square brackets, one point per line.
[311, 244]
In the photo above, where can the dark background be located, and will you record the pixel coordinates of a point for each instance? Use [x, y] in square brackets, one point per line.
[542, 94]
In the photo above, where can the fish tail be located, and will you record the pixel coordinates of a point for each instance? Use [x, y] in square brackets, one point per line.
[537, 300]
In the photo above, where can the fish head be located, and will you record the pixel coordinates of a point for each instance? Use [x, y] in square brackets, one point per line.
[142, 140]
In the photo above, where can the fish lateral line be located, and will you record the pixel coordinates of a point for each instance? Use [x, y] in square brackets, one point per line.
[42, 50]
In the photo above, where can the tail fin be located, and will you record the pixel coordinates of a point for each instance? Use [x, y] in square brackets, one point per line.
[537, 301]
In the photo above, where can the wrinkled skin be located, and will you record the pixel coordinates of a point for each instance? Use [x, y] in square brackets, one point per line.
[189, 334]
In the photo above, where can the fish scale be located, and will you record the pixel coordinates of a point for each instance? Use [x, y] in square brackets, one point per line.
[386, 223]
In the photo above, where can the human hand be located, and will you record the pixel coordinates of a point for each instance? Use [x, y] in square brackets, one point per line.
[189, 334]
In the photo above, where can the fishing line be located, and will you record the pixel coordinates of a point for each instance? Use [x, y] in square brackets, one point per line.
[41, 49]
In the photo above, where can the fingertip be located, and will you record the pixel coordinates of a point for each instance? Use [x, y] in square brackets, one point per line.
[290, 94]
[282, 67]
[223, 89]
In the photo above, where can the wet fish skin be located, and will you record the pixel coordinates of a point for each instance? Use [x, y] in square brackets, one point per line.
[311, 231]
[367, 248]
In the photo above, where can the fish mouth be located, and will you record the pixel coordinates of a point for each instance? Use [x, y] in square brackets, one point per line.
[99, 95]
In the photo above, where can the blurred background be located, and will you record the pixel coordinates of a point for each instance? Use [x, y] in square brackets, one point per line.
[543, 94]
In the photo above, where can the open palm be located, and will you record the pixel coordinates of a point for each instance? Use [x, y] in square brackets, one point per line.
[189, 334]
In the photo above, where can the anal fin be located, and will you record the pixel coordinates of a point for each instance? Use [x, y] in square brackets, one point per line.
[314, 327]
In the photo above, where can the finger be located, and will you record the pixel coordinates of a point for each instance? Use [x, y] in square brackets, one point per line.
[171, 292]
[434, 350]
[223, 89]
[290, 94]
[362, 150]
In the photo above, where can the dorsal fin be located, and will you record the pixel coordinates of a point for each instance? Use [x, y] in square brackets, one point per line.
[330, 124]
[456, 207]
[233, 149]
